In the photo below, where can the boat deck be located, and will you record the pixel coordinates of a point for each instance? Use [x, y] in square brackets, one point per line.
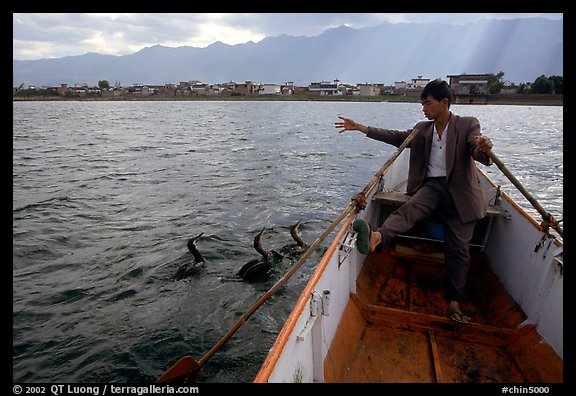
[399, 319]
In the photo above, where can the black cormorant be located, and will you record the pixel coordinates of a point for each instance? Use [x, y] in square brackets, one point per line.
[193, 266]
[257, 267]
[293, 250]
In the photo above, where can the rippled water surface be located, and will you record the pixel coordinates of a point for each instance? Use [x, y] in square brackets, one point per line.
[106, 195]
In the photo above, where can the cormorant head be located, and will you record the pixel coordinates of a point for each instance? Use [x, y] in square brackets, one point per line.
[193, 241]
[296, 226]
[295, 235]
[258, 239]
[295, 229]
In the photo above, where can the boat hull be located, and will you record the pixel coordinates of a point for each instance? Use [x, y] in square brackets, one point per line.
[383, 318]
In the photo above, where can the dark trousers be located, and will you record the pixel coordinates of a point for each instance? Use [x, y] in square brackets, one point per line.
[434, 197]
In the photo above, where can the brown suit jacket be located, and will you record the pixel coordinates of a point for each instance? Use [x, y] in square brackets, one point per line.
[461, 152]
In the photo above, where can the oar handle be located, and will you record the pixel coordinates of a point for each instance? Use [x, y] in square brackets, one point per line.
[545, 215]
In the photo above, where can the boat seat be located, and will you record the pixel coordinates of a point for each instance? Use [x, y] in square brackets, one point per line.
[431, 229]
[400, 199]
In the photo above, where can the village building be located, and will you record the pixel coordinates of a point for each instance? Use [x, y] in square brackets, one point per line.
[248, 88]
[325, 88]
[416, 87]
[469, 84]
[270, 89]
[368, 89]
[400, 88]
[288, 88]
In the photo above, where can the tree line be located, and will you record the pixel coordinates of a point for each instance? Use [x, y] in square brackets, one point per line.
[541, 85]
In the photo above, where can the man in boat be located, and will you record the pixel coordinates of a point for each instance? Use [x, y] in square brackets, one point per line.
[442, 176]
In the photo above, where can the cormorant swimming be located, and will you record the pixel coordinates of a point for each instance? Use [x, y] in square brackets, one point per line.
[293, 250]
[257, 267]
[193, 266]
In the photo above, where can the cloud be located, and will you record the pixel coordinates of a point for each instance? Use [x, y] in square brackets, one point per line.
[54, 35]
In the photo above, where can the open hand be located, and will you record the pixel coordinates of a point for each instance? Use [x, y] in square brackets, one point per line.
[348, 125]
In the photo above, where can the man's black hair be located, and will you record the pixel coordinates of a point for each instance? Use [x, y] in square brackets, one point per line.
[439, 90]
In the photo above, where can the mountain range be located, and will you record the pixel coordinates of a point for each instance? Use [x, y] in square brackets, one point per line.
[522, 48]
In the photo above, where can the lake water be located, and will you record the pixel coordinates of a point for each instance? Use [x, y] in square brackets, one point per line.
[106, 195]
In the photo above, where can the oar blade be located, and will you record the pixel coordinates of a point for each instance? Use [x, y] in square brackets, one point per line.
[183, 367]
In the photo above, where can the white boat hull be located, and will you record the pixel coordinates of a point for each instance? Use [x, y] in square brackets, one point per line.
[532, 276]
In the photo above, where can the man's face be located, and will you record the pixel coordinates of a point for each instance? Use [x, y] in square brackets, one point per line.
[432, 108]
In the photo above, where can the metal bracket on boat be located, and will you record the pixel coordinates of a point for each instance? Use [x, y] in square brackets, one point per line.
[545, 237]
[319, 306]
[559, 260]
[320, 303]
[346, 246]
[498, 196]
[315, 303]
[326, 302]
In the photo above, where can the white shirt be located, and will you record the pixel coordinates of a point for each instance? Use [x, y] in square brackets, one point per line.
[437, 163]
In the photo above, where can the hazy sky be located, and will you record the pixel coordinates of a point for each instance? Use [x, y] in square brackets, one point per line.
[46, 35]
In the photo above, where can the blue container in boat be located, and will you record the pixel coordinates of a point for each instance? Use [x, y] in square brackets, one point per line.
[434, 230]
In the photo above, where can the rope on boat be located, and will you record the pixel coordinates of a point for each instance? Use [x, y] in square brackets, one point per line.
[360, 199]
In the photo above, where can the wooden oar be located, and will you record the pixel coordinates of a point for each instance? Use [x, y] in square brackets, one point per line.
[547, 217]
[187, 366]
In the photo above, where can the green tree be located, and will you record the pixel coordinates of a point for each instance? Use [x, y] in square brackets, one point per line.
[524, 88]
[542, 85]
[558, 82]
[495, 82]
[103, 84]
[36, 92]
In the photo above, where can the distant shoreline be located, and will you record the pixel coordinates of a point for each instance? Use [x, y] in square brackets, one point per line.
[514, 99]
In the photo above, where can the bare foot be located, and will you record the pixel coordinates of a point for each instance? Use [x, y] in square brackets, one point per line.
[375, 240]
[456, 313]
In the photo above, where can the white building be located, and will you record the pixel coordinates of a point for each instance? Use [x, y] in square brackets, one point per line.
[418, 82]
[324, 88]
[400, 85]
[270, 89]
[368, 89]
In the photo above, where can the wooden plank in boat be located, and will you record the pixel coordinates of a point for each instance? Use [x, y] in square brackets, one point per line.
[398, 198]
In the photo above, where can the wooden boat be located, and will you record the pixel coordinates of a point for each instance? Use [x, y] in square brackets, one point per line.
[383, 317]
